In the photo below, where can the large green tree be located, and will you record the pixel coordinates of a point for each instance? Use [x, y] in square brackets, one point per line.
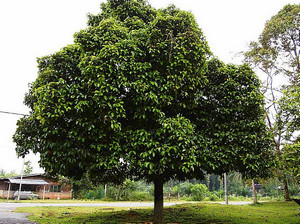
[138, 96]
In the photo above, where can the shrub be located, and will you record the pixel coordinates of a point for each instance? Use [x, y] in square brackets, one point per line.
[199, 192]
[213, 197]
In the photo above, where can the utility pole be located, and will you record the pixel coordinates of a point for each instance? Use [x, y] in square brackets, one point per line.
[226, 188]
[254, 192]
[20, 187]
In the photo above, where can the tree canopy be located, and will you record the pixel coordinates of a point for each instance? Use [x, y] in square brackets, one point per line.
[139, 95]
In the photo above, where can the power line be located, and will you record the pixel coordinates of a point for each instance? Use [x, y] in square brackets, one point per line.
[12, 113]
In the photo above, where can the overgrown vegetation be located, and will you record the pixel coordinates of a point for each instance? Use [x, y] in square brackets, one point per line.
[279, 212]
[209, 189]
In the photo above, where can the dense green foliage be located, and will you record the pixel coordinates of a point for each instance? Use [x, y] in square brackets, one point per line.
[135, 96]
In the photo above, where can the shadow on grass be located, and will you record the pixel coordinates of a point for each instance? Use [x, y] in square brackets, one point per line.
[202, 213]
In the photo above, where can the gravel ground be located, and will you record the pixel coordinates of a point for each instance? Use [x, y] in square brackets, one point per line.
[9, 217]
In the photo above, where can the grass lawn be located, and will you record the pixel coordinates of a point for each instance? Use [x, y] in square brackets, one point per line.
[208, 213]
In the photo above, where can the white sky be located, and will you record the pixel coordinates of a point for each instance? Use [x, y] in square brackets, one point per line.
[35, 28]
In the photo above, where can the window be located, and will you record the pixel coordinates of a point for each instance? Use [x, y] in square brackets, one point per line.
[55, 188]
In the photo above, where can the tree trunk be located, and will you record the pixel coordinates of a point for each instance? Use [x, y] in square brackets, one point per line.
[158, 200]
[75, 189]
[286, 190]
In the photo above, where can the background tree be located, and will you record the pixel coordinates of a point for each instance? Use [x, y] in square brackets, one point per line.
[2, 173]
[277, 54]
[137, 97]
[289, 117]
[28, 168]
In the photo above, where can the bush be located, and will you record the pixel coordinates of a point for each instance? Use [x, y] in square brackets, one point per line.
[199, 192]
[213, 197]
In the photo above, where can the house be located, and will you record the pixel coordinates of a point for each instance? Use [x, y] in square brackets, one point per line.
[46, 187]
